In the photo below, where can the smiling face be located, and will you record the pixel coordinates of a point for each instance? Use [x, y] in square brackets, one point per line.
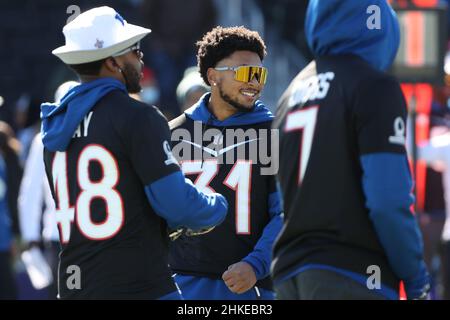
[233, 93]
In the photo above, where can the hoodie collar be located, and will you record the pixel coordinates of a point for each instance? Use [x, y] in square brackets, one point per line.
[335, 27]
[200, 112]
[61, 119]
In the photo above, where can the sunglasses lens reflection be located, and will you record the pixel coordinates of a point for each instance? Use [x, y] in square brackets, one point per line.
[247, 73]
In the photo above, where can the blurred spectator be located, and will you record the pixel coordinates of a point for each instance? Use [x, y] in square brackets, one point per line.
[27, 122]
[64, 88]
[434, 219]
[191, 88]
[176, 26]
[34, 196]
[437, 154]
[289, 17]
[10, 175]
[150, 90]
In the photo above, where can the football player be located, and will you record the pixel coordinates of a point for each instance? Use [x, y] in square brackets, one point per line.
[349, 231]
[233, 260]
[115, 182]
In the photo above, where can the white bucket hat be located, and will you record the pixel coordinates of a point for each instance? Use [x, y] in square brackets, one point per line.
[97, 34]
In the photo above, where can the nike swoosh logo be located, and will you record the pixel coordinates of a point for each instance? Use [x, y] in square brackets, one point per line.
[235, 145]
[206, 149]
[221, 151]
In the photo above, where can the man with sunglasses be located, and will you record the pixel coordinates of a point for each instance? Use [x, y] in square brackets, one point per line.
[233, 260]
[113, 177]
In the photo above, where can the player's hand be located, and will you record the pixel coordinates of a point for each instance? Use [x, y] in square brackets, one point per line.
[239, 277]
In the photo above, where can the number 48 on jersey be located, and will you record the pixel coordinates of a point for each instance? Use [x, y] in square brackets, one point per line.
[104, 188]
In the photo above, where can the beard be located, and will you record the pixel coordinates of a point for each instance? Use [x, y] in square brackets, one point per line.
[132, 78]
[238, 106]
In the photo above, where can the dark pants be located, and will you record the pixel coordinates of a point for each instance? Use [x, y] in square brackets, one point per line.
[446, 269]
[323, 285]
[8, 290]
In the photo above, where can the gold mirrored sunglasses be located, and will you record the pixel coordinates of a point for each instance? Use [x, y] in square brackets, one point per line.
[247, 73]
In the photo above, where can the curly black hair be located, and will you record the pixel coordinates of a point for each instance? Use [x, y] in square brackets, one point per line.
[220, 43]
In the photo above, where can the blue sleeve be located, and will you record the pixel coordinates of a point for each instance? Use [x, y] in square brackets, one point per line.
[387, 185]
[175, 199]
[261, 256]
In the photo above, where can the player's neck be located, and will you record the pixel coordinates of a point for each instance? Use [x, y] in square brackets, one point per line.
[102, 74]
[84, 78]
[220, 108]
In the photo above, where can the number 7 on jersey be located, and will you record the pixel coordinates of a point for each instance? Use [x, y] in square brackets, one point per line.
[303, 120]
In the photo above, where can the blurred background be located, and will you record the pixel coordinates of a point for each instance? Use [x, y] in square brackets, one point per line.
[30, 75]
[30, 30]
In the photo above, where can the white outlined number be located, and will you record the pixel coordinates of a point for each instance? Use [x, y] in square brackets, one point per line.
[238, 179]
[303, 120]
[65, 214]
[90, 190]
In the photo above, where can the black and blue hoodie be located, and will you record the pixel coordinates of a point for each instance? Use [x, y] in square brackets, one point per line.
[208, 256]
[351, 207]
[117, 187]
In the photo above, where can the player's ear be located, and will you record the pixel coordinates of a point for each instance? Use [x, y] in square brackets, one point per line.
[111, 65]
[212, 76]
